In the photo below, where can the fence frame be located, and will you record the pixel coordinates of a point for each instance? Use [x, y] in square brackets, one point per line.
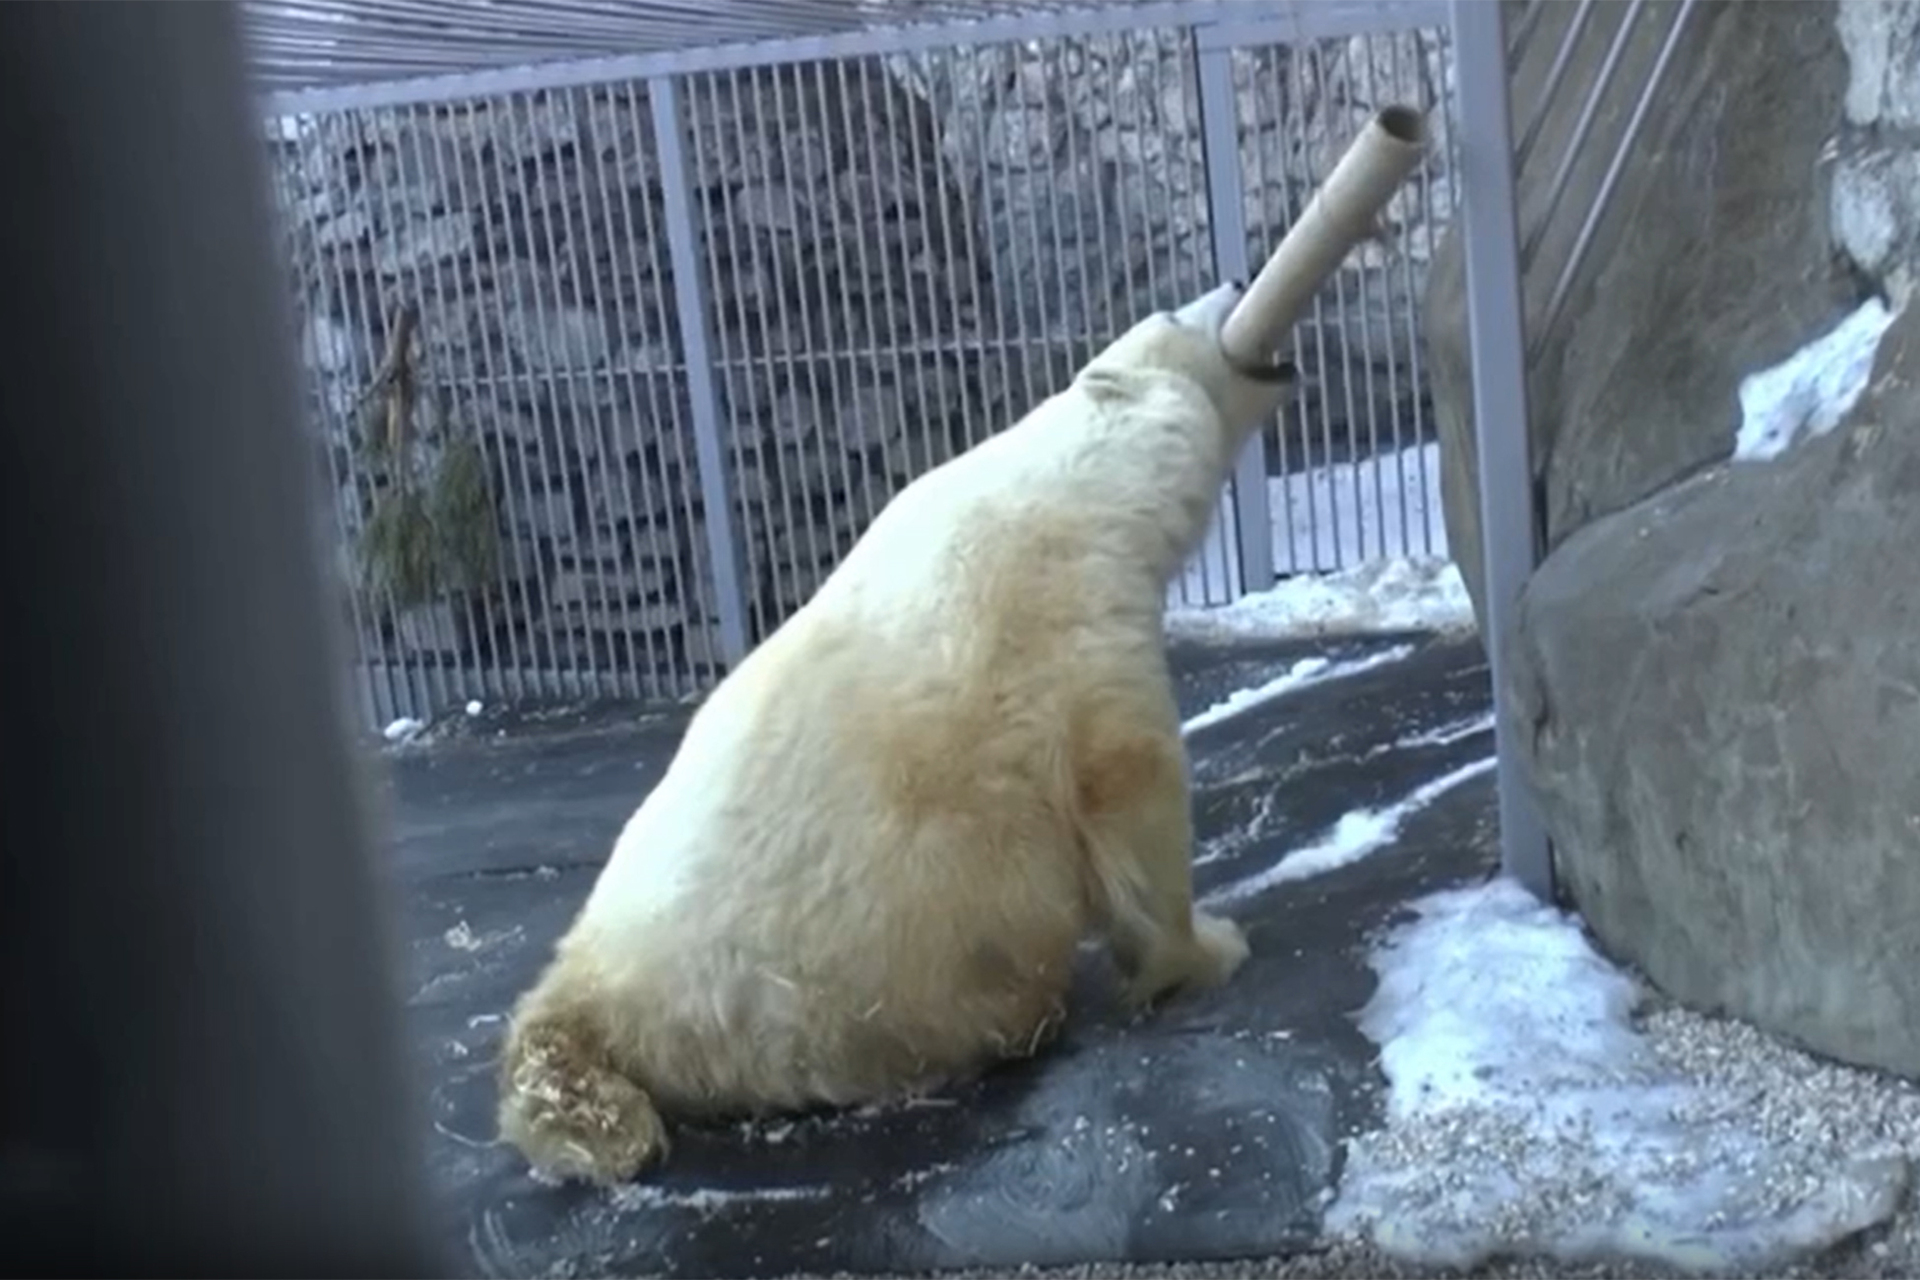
[1496, 325]
[1215, 29]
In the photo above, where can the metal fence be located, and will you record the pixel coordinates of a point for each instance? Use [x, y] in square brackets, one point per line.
[607, 375]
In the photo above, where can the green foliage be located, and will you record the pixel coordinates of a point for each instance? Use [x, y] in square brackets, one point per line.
[463, 514]
[398, 551]
[433, 527]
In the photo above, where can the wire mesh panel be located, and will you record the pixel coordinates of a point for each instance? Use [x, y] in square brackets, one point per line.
[549, 333]
[495, 383]
[1355, 458]
[904, 255]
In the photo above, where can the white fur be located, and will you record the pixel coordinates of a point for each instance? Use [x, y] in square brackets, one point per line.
[868, 867]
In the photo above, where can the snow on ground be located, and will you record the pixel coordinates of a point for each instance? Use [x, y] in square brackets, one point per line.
[1808, 393]
[1334, 516]
[1329, 518]
[405, 729]
[1304, 673]
[1529, 1112]
[1356, 835]
[1401, 594]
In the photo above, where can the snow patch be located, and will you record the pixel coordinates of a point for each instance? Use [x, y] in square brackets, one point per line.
[1303, 674]
[1526, 1113]
[706, 1200]
[1421, 593]
[1355, 836]
[1440, 736]
[1808, 393]
[1345, 513]
[1325, 517]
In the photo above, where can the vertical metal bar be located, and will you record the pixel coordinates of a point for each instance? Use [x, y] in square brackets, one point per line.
[447, 675]
[698, 597]
[600, 614]
[523, 652]
[832, 437]
[1342, 310]
[425, 673]
[1296, 412]
[207, 1066]
[723, 541]
[1027, 288]
[1111, 318]
[1443, 102]
[556, 376]
[550, 670]
[932, 401]
[1490, 235]
[859, 493]
[894, 297]
[783, 478]
[1226, 193]
[1219, 559]
[1055, 328]
[732, 339]
[354, 298]
[805, 358]
[376, 315]
[1604, 196]
[656, 505]
[983, 269]
[481, 677]
[1324, 473]
[966, 393]
[343, 487]
[1398, 43]
[1078, 338]
[1409, 439]
[1365, 276]
[642, 665]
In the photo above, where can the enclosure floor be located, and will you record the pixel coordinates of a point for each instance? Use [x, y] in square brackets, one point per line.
[1209, 1130]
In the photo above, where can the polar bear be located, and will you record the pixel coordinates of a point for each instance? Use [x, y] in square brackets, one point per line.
[869, 866]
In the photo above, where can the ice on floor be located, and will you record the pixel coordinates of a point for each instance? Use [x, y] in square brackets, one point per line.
[1527, 1113]
[1303, 674]
[1356, 835]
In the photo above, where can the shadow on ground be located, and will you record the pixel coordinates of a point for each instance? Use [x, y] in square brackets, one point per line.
[1209, 1130]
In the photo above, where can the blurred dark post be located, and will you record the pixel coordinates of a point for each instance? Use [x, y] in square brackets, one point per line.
[203, 1065]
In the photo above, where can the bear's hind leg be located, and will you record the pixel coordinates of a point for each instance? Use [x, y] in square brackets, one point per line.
[565, 1107]
[1139, 831]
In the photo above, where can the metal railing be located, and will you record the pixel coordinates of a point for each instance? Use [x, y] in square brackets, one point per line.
[698, 321]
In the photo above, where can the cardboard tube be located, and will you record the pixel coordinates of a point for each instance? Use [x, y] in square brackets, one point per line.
[1342, 213]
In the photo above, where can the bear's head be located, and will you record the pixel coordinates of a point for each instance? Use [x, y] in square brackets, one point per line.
[1186, 343]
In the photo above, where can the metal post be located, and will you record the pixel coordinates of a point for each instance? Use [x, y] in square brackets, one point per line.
[205, 1071]
[690, 300]
[1496, 326]
[1220, 145]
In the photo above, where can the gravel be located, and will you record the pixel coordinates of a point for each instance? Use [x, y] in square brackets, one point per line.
[1826, 1111]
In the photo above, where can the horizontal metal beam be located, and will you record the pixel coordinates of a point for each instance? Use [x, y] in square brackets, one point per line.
[1294, 17]
[1293, 21]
